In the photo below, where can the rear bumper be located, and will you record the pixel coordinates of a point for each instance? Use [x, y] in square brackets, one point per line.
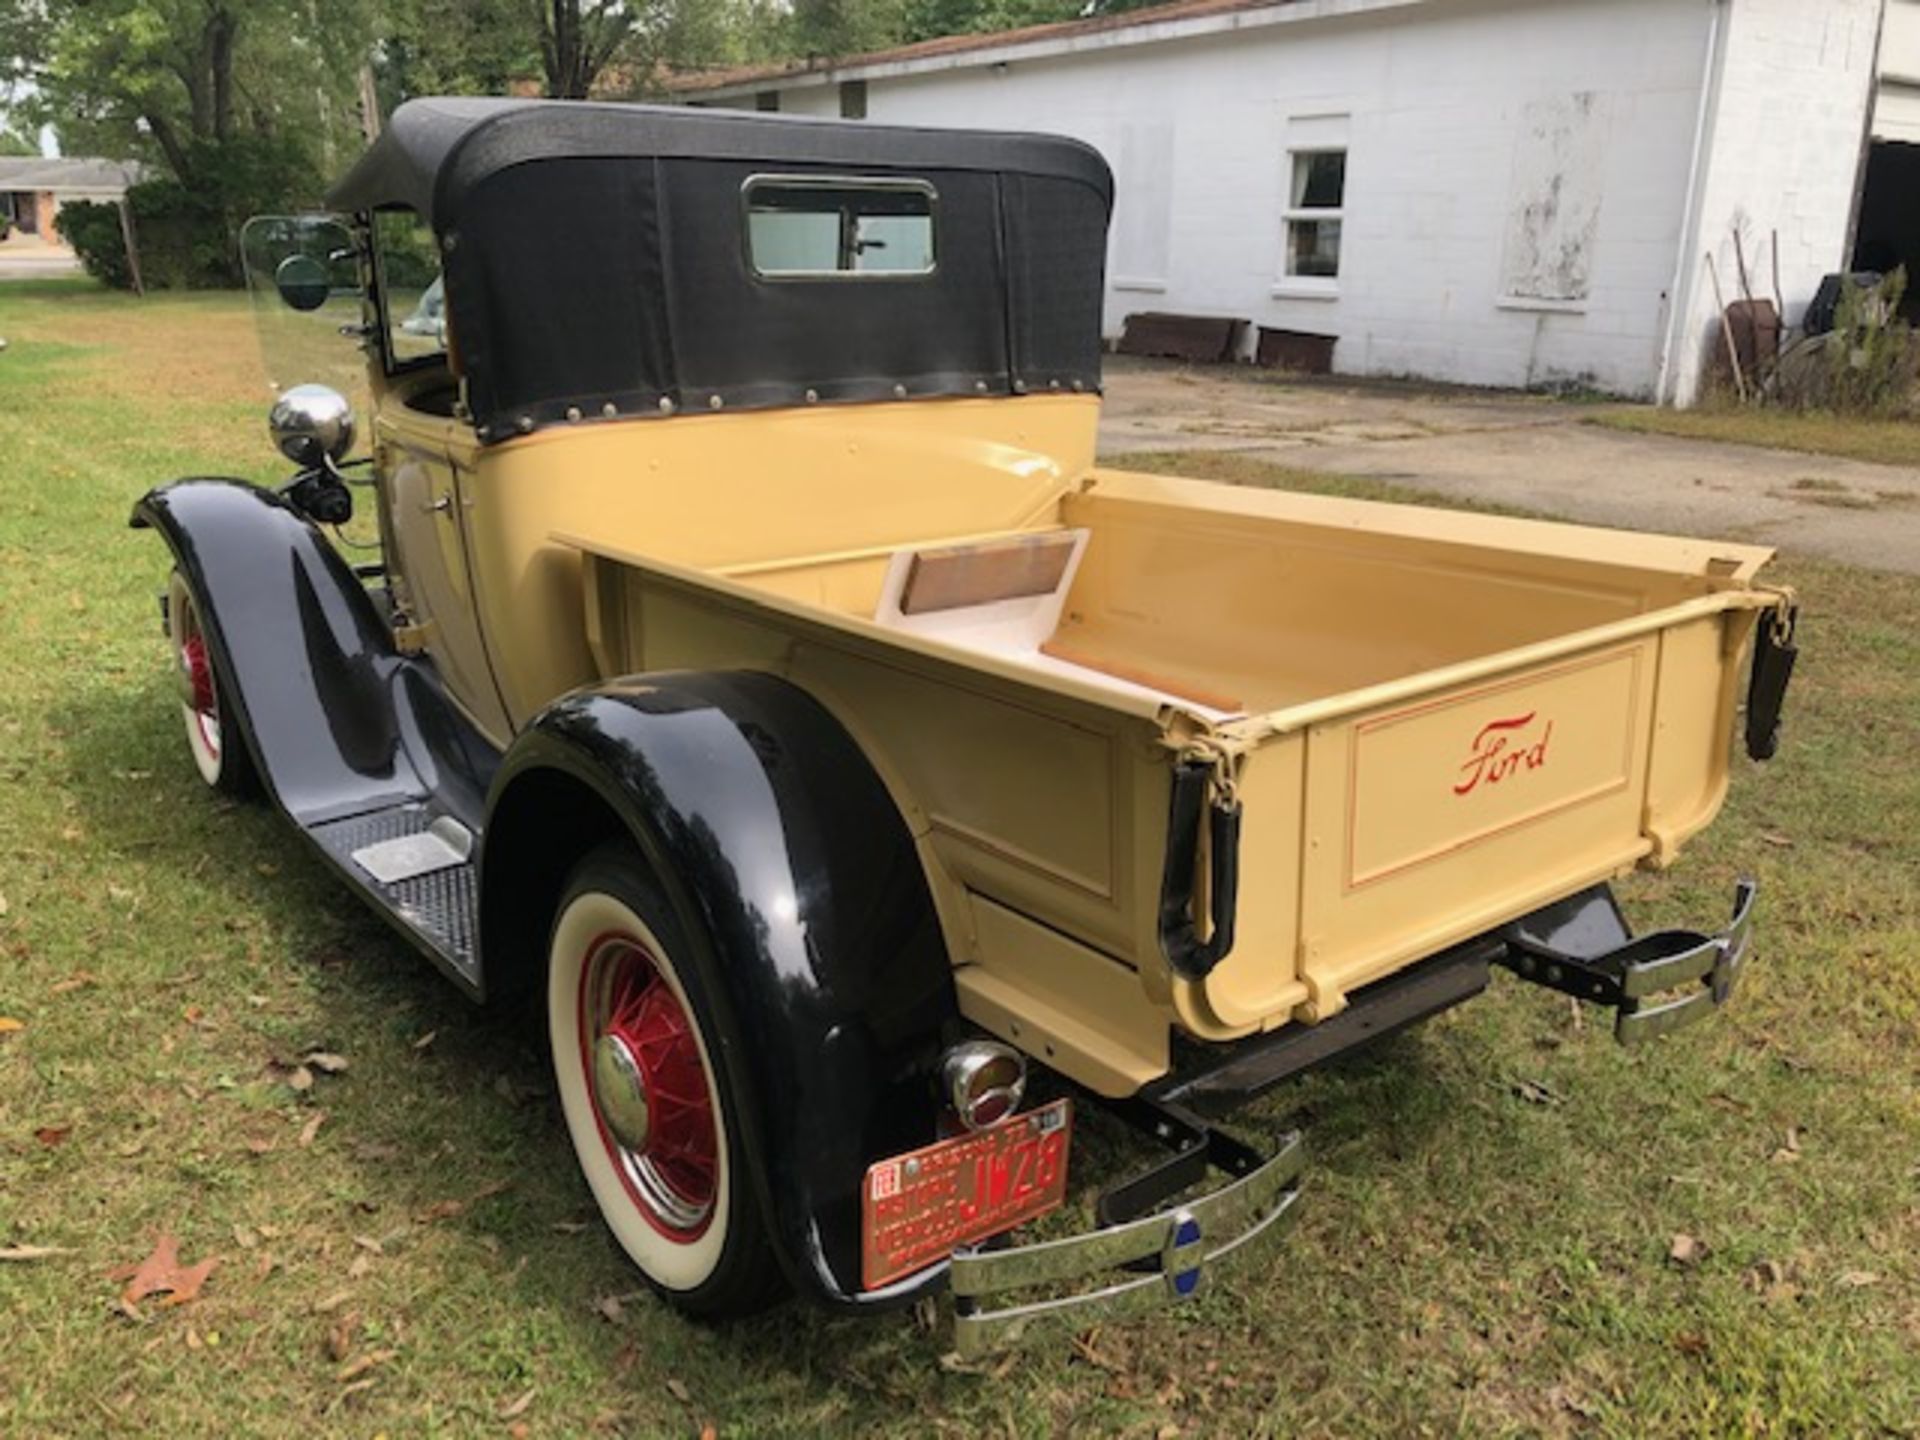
[1136, 1266]
[1655, 985]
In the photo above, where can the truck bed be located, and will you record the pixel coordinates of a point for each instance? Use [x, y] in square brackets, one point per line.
[1433, 722]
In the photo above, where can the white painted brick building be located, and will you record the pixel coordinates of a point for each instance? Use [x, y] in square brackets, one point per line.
[1506, 192]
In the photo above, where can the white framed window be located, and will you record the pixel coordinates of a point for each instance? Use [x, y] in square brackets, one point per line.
[1313, 213]
[1316, 208]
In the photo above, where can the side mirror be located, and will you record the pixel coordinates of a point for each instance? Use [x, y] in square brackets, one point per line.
[302, 282]
[312, 426]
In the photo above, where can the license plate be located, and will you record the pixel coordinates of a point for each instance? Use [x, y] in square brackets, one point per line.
[917, 1208]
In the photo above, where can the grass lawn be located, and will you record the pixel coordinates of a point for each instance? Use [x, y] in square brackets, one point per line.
[404, 1249]
[1883, 442]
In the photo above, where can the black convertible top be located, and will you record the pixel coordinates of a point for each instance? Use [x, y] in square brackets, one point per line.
[434, 153]
[597, 268]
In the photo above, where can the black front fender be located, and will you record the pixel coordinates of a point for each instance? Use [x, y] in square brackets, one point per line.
[336, 720]
[788, 860]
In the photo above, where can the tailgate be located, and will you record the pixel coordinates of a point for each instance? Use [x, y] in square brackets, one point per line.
[1428, 813]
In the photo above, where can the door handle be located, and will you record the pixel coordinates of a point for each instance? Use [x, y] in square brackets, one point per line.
[438, 507]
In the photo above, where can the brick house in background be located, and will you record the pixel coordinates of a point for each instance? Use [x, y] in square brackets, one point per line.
[32, 189]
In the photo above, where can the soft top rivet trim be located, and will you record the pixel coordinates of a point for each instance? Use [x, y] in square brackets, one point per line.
[714, 402]
[666, 404]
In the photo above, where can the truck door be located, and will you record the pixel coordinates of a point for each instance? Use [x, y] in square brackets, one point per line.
[426, 526]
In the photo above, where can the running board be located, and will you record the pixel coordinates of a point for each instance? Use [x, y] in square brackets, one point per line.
[416, 866]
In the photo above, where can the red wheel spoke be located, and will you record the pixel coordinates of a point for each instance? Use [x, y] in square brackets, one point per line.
[680, 1157]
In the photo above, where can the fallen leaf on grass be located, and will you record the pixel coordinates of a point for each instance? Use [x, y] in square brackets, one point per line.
[1858, 1279]
[1776, 839]
[354, 1369]
[427, 1039]
[80, 979]
[258, 1146]
[1689, 1342]
[441, 1210]
[21, 1253]
[369, 1150]
[1535, 1093]
[609, 1308]
[340, 1339]
[1687, 1250]
[999, 1370]
[8, 1024]
[708, 1432]
[312, 1128]
[325, 1061]
[332, 1302]
[162, 1273]
[515, 1408]
[52, 1134]
[1790, 1146]
[300, 1080]
[358, 1387]
[678, 1389]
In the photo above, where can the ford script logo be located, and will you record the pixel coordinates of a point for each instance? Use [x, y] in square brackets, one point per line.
[1502, 749]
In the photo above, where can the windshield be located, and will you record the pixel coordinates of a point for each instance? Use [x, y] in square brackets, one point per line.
[305, 346]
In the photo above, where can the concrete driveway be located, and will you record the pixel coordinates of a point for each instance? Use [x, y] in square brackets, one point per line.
[28, 257]
[1523, 451]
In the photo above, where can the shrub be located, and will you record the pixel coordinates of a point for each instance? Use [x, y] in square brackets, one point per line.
[93, 230]
[1868, 364]
[188, 234]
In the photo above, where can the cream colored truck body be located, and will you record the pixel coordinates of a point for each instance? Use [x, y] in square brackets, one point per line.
[1436, 722]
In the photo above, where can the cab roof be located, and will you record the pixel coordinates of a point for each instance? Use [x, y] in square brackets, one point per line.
[597, 263]
[434, 153]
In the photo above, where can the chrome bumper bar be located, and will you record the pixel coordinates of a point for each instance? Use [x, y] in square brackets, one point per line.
[1175, 1247]
[1628, 975]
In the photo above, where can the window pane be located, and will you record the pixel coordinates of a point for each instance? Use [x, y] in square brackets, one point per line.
[1313, 248]
[816, 228]
[413, 300]
[1319, 180]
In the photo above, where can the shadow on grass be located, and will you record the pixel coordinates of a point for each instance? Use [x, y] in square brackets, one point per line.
[426, 1124]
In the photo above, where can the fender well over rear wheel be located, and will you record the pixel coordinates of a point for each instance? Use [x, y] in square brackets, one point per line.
[783, 857]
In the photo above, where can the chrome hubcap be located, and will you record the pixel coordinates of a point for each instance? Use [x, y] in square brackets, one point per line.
[620, 1093]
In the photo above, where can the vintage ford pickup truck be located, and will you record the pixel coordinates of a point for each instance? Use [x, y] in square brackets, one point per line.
[761, 679]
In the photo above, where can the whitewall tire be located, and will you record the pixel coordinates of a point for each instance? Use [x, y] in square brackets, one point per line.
[637, 1069]
[213, 737]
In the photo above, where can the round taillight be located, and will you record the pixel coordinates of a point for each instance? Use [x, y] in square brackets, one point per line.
[984, 1081]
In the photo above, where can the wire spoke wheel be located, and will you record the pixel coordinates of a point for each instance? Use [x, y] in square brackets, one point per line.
[638, 1066]
[219, 752]
[649, 1087]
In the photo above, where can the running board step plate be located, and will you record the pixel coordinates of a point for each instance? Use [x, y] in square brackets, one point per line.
[418, 869]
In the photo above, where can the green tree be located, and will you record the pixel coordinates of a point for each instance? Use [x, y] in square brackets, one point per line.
[177, 81]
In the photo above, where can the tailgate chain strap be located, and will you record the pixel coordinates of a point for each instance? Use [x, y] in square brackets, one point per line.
[1774, 653]
[1205, 796]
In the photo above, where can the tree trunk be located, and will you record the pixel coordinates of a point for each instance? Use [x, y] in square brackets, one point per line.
[168, 139]
[222, 27]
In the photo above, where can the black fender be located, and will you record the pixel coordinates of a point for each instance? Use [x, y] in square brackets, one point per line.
[787, 859]
[336, 719]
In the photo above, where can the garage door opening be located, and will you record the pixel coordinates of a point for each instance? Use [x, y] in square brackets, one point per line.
[1889, 234]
